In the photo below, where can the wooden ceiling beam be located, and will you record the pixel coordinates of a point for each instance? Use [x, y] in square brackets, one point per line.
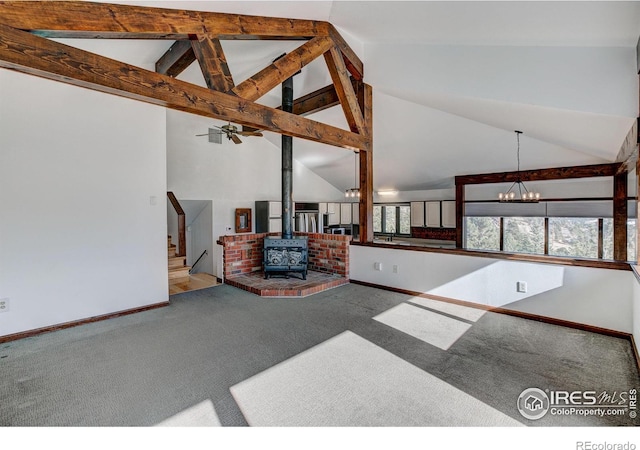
[175, 60]
[322, 99]
[281, 69]
[80, 19]
[556, 173]
[345, 91]
[352, 62]
[213, 63]
[28, 53]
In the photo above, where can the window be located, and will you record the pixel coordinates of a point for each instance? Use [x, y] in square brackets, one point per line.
[377, 219]
[404, 219]
[389, 219]
[632, 238]
[392, 219]
[573, 236]
[524, 235]
[482, 233]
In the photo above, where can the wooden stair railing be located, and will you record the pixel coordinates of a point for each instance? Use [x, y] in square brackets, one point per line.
[182, 229]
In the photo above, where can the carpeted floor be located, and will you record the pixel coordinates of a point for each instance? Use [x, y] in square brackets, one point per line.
[177, 365]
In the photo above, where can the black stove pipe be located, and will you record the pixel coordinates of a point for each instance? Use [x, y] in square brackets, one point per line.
[287, 164]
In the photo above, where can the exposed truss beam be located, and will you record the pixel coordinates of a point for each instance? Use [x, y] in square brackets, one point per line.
[282, 68]
[213, 63]
[344, 89]
[79, 19]
[34, 55]
[366, 170]
[555, 173]
[322, 99]
[175, 60]
[353, 63]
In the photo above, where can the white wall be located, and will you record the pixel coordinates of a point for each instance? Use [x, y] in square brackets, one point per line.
[598, 297]
[231, 176]
[556, 77]
[200, 238]
[79, 236]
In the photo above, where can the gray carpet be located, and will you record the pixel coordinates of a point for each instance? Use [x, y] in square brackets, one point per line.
[348, 381]
[159, 365]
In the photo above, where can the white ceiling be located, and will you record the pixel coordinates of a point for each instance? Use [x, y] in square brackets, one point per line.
[452, 81]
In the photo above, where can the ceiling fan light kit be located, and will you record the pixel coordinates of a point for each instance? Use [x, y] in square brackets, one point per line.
[231, 131]
[524, 195]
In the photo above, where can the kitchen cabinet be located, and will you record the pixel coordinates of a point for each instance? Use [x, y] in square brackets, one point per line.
[268, 216]
[417, 214]
[432, 214]
[355, 213]
[333, 210]
[345, 213]
[449, 214]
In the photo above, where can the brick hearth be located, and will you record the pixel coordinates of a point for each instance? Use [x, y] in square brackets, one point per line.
[283, 287]
[328, 265]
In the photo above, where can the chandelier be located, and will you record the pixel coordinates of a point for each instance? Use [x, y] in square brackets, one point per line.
[523, 194]
[354, 192]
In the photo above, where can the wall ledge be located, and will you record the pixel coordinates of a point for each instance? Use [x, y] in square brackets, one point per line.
[599, 264]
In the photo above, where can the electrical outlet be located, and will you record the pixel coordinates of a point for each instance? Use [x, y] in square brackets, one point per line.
[4, 305]
[521, 286]
[377, 266]
[395, 268]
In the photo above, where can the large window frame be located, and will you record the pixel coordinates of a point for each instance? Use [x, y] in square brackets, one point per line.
[383, 228]
[604, 241]
[617, 171]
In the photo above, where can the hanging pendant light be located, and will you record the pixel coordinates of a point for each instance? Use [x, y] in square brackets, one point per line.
[354, 192]
[523, 194]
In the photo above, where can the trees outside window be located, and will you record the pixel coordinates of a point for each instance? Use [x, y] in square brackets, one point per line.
[482, 233]
[524, 235]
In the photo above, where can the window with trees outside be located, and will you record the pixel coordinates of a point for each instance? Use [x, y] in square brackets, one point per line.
[577, 237]
[392, 219]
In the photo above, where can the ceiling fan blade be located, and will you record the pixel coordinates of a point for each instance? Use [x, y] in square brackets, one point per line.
[235, 139]
[250, 133]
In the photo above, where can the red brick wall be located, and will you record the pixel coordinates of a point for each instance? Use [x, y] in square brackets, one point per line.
[242, 253]
[446, 234]
[328, 253]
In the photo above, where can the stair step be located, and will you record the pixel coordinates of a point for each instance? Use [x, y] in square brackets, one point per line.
[177, 261]
[179, 272]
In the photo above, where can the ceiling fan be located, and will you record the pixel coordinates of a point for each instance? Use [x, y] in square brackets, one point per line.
[231, 131]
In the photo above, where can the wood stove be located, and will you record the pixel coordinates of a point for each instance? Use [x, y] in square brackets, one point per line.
[284, 256]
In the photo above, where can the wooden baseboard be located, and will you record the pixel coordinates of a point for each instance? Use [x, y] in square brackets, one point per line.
[510, 312]
[37, 331]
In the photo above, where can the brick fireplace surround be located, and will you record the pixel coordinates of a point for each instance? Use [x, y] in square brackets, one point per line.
[328, 265]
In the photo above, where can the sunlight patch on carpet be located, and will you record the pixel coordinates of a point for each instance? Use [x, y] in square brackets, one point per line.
[430, 327]
[202, 414]
[349, 381]
[464, 312]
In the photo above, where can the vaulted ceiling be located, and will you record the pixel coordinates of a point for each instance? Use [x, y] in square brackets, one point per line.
[452, 81]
